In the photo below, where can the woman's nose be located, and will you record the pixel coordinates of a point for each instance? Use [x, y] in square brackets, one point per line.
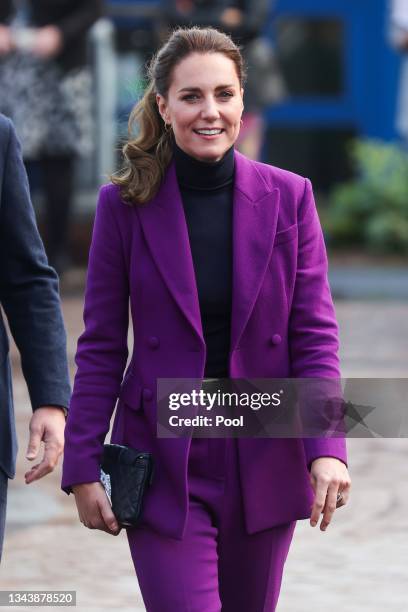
[210, 109]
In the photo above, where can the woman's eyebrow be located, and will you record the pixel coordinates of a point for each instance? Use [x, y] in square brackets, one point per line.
[198, 88]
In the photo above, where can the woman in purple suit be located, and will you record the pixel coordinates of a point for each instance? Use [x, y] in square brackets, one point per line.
[224, 264]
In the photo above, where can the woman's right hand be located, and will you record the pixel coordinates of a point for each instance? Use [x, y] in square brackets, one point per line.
[94, 509]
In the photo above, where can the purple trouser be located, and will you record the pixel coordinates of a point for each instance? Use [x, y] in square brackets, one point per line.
[217, 564]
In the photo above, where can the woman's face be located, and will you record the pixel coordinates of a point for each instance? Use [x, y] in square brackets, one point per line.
[204, 94]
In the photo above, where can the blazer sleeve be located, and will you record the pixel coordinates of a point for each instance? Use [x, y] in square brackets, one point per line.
[313, 329]
[29, 286]
[102, 349]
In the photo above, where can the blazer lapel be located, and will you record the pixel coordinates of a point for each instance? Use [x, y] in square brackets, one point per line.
[166, 234]
[255, 216]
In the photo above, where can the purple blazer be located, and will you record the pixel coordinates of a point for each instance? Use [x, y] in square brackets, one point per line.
[283, 325]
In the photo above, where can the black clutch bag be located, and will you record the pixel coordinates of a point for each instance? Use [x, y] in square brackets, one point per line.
[125, 475]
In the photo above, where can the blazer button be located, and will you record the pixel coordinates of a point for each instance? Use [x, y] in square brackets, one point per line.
[276, 339]
[153, 342]
[147, 394]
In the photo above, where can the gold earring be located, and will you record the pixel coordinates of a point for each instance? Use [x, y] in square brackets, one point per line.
[167, 128]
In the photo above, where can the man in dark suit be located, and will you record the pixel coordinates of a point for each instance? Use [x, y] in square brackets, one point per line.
[30, 300]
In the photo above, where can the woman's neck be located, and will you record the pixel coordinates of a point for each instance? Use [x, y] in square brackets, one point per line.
[197, 174]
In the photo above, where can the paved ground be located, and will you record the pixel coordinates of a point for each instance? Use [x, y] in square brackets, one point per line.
[358, 565]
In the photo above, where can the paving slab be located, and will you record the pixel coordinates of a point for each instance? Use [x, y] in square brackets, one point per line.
[357, 565]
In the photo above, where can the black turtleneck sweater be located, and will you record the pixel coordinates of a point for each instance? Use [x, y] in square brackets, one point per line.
[207, 192]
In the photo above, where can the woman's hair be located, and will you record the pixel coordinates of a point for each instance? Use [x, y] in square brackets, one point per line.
[148, 153]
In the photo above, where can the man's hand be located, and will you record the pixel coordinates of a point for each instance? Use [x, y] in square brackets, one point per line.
[401, 41]
[232, 17]
[328, 476]
[47, 424]
[6, 40]
[184, 6]
[48, 42]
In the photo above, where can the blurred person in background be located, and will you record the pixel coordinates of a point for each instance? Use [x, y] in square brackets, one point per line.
[30, 300]
[244, 21]
[45, 89]
[222, 262]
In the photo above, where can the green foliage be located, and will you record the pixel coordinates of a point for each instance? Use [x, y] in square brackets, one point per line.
[371, 210]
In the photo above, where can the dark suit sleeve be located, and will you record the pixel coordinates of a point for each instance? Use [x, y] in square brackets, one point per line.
[202, 16]
[254, 15]
[6, 10]
[29, 288]
[83, 15]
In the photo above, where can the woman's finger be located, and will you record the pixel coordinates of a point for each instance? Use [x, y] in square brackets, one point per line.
[108, 517]
[344, 490]
[319, 501]
[330, 505]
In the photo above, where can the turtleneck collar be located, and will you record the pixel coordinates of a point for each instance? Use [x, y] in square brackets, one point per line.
[196, 174]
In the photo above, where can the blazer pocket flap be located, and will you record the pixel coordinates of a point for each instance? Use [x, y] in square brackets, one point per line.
[285, 235]
[131, 394]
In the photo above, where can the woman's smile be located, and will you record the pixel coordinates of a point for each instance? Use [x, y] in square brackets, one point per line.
[209, 133]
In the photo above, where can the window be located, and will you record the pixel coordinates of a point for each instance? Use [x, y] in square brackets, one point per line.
[309, 53]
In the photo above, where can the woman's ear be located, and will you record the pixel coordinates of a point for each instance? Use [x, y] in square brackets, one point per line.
[161, 104]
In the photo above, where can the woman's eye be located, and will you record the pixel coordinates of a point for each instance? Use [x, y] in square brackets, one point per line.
[223, 94]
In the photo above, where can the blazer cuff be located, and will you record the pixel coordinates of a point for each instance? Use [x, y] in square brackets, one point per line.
[78, 475]
[324, 447]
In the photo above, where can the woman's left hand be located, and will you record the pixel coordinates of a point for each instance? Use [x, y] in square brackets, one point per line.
[328, 476]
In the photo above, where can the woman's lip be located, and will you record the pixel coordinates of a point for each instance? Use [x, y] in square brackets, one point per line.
[209, 135]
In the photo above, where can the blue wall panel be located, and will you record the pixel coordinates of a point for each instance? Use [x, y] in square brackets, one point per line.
[371, 70]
